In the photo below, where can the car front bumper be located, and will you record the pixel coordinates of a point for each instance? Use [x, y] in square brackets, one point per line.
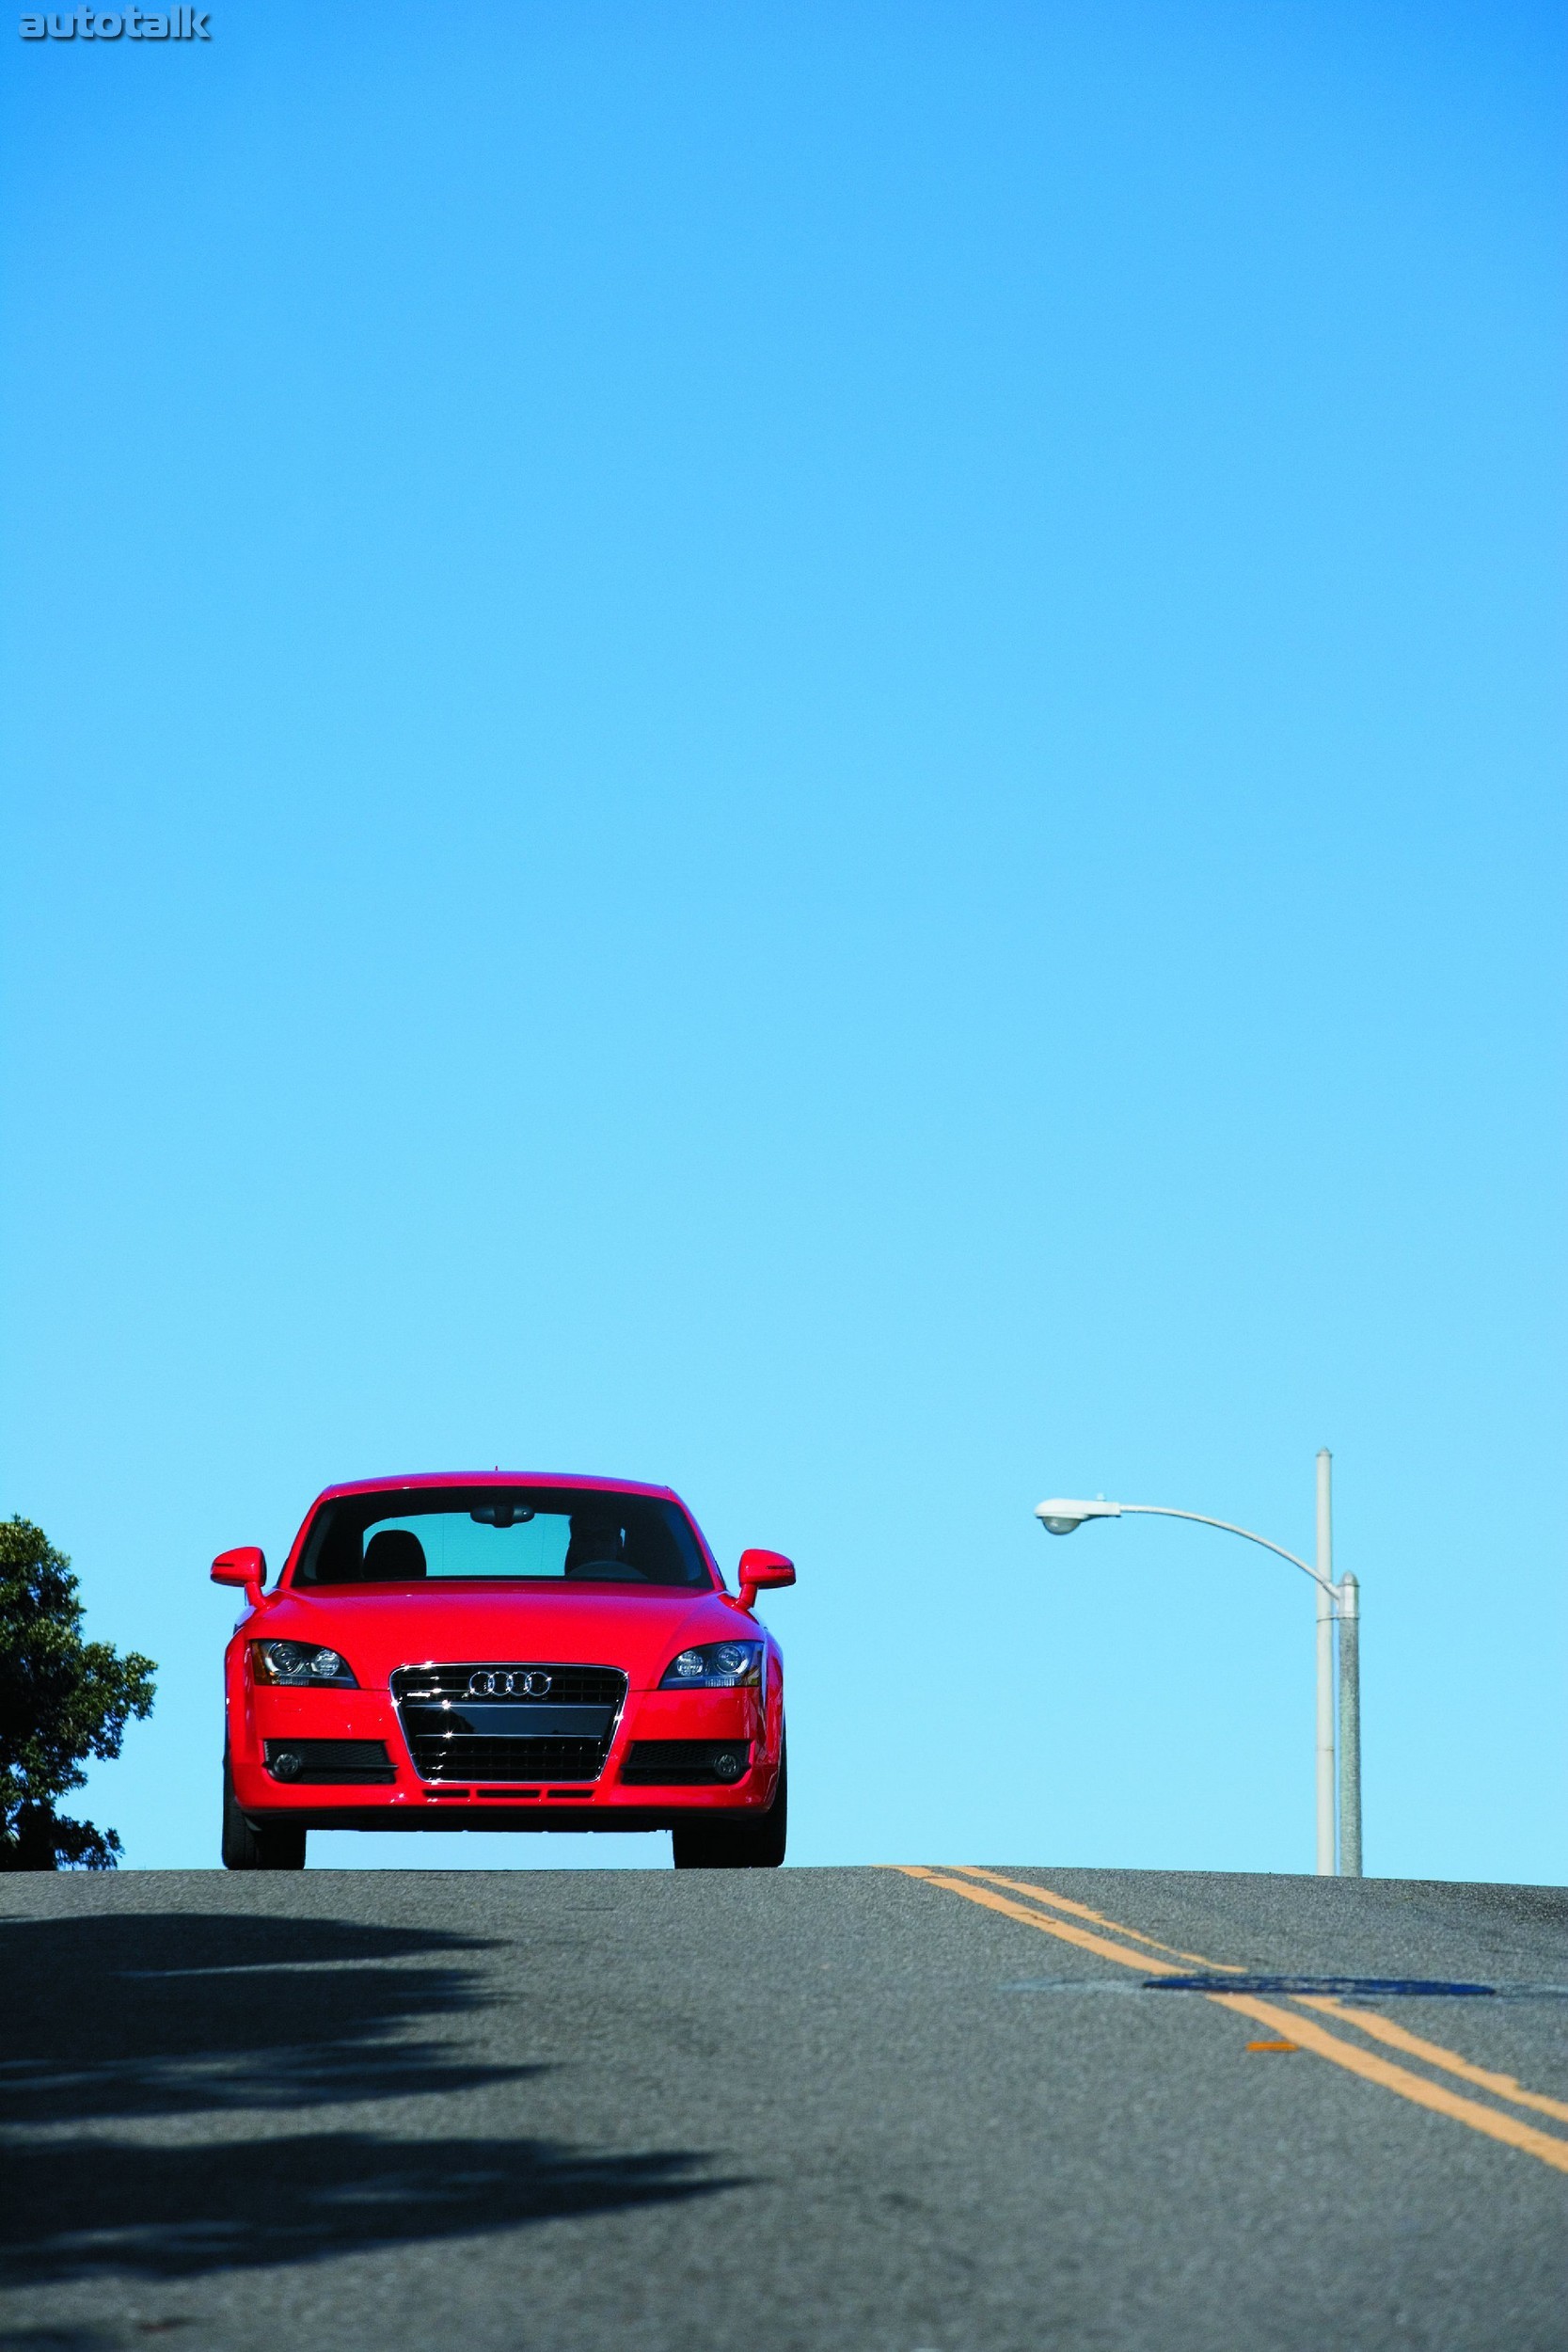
[359, 1735]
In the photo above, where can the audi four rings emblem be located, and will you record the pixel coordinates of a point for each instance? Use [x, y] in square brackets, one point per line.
[493, 1682]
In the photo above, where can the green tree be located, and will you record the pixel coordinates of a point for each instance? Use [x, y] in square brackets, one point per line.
[61, 1700]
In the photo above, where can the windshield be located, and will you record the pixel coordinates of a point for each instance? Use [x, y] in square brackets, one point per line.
[516, 1535]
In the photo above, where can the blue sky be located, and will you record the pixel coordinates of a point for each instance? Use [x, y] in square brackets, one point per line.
[815, 751]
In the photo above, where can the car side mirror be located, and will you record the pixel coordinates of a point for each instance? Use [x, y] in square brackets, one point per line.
[761, 1571]
[245, 1564]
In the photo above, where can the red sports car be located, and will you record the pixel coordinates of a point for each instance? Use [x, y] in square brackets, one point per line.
[503, 1652]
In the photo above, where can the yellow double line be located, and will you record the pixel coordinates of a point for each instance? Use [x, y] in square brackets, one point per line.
[1076, 1923]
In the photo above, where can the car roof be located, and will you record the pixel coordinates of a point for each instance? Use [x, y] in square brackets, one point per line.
[497, 1478]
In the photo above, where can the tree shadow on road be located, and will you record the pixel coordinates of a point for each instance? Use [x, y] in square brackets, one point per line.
[58, 2340]
[170, 2213]
[166, 2019]
[163, 2015]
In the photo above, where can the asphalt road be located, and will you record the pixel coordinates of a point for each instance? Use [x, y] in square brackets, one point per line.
[551, 2111]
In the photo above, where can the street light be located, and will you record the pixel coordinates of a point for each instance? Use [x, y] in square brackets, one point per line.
[1339, 1605]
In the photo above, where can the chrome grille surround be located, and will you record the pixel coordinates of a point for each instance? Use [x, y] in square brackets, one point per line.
[480, 1721]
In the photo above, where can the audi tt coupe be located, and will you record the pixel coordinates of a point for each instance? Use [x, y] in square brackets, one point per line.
[503, 1652]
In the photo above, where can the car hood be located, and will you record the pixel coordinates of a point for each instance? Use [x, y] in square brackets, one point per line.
[457, 1623]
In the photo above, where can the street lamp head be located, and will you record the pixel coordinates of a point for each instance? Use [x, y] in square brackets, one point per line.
[1060, 1514]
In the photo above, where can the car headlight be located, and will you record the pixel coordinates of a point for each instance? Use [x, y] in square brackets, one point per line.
[301, 1662]
[715, 1666]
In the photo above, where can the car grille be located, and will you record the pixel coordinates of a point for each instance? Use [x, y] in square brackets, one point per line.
[511, 1760]
[479, 1722]
[570, 1686]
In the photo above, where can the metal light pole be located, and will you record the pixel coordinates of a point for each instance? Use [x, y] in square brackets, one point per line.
[1338, 1607]
[1350, 1727]
[1325, 1665]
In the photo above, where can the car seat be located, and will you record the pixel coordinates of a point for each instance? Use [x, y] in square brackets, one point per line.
[392, 1556]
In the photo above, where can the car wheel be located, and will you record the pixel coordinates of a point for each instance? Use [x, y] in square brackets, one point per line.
[245, 1848]
[755, 1845]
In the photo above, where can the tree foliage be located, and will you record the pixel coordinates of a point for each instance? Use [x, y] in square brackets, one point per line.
[61, 1700]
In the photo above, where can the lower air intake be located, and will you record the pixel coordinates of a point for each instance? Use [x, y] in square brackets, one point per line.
[345, 1762]
[687, 1763]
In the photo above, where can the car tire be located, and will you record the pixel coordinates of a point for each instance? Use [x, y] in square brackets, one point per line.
[730, 1845]
[280, 1847]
